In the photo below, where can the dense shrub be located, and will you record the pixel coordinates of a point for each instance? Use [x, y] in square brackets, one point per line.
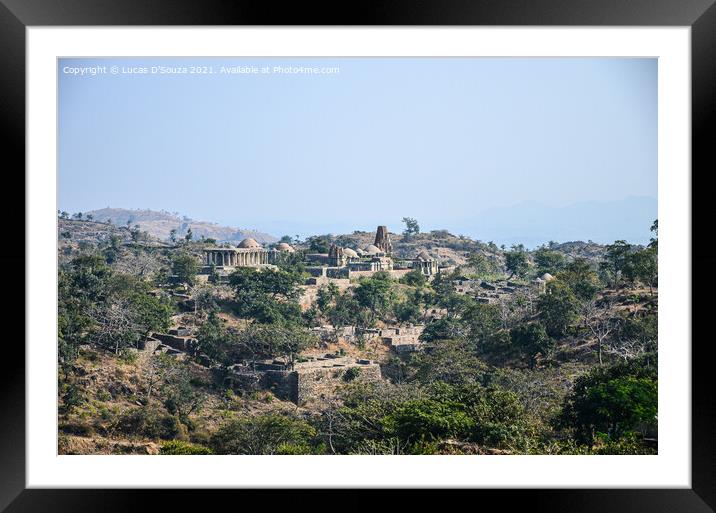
[264, 434]
[616, 401]
[147, 423]
[181, 447]
[531, 340]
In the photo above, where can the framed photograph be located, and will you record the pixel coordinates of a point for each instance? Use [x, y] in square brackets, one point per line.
[435, 245]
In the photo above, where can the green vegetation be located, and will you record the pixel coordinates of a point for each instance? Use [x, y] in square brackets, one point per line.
[505, 362]
[185, 268]
[268, 296]
[178, 447]
[516, 262]
[265, 434]
[411, 227]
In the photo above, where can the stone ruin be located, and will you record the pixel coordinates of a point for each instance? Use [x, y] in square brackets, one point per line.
[403, 340]
[307, 379]
[178, 342]
[311, 379]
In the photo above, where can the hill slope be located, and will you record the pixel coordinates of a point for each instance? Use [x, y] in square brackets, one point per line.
[159, 224]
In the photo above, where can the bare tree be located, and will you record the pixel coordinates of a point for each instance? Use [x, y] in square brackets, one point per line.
[206, 298]
[600, 321]
[626, 349]
[116, 324]
[505, 311]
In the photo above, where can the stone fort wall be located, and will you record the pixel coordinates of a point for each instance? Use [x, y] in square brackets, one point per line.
[317, 383]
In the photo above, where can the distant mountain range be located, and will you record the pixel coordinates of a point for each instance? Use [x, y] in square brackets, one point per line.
[160, 224]
[529, 223]
[533, 224]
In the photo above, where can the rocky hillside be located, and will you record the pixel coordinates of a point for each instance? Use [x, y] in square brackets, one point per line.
[159, 224]
[448, 248]
[578, 249]
[141, 258]
[452, 249]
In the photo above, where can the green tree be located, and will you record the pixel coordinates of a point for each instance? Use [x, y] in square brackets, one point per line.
[471, 412]
[112, 310]
[268, 341]
[185, 267]
[447, 361]
[326, 297]
[264, 434]
[642, 266]
[579, 276]
[135, 233]
[179, 447]
[267, 295]
[614, 260]
[549, 261]
[181, 397]
[481, 264]
[532, 340]
[216, 342]
[128, 314]
[81, 285]
[414, 278]
[319, 243]
[654, 241]
[558, 308]
[615, 401]
[482, 321]
[345, 311]
[189, 235]
[407, 311]
[516, 262]
[375, 295]
[443, 329]
[411, 228]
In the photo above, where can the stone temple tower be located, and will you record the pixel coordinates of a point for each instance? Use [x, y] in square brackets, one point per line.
[336, 257]
[382, 240]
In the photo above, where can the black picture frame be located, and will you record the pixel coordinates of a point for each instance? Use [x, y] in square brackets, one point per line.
[16, 15]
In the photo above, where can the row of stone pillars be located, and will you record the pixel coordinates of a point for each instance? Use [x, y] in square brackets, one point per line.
[230, 258]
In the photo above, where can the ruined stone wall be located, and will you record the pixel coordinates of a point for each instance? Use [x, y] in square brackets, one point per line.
[395, 273]
[337, 272]
[186, 344]
[283, 384]
[317, 383]
[321, 383]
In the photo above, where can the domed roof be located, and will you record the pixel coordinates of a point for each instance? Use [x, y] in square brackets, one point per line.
[249, 243]
[423, 255]
[547, 277]
[371, 249]
[282, 246]
[350, 253]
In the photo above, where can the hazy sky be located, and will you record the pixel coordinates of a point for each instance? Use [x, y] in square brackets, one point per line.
[438, 139]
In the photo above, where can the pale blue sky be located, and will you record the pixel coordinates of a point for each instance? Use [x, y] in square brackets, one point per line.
[438, 139]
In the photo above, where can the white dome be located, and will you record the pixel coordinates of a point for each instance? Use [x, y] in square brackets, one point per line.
[282, 246]
[249, 243]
